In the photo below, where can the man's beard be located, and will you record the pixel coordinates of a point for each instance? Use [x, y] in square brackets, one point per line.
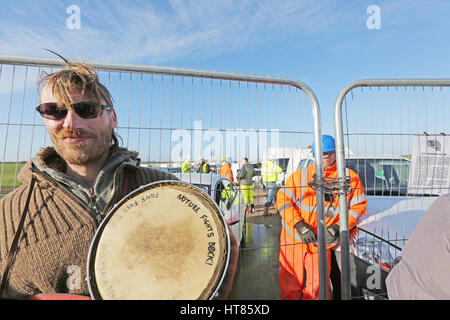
[82, 153]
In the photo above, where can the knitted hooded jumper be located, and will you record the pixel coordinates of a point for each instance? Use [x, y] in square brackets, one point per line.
[58, 228]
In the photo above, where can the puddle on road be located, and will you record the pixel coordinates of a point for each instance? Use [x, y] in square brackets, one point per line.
[257, 275]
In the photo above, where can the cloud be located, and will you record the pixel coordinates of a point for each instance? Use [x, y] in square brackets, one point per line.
[112, 31]
[157, 32]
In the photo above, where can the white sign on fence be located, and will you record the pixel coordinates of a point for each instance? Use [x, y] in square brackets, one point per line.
[430, 165]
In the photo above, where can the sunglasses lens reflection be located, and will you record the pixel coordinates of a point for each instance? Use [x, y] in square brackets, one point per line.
[86, 110]
[51, 111]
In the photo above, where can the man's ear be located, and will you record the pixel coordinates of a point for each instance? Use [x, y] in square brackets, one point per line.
[114, 119]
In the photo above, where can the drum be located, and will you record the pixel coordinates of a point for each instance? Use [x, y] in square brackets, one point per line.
[166, 240]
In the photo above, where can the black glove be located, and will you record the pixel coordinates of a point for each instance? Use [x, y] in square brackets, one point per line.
[305, 232]
[332, 234]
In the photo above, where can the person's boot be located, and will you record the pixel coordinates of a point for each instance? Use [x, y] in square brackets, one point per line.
[266, 210]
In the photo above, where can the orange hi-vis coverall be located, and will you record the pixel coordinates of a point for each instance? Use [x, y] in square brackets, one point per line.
[296, 201]
[226, 171]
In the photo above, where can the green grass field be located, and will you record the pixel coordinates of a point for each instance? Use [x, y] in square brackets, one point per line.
[8, 179]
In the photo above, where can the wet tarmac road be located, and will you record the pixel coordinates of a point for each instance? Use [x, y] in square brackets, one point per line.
[257, 272]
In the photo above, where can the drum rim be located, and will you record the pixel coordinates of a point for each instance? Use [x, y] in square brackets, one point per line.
[90, 270]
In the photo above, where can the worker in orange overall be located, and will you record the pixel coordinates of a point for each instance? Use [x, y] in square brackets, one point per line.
[226, 171]
[296, 203]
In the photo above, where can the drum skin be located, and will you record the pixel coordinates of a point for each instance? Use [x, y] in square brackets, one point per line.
[164, 241]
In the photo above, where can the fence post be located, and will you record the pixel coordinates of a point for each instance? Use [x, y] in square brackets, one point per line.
[343, 209]
[323, 266]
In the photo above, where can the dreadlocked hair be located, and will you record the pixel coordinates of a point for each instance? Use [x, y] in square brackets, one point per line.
[80, 76]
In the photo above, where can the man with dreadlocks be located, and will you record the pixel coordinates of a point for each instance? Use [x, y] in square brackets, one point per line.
[48, 223]
[296, 203]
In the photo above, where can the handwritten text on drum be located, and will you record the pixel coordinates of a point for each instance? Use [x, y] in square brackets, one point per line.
[209, 229]
[188, 202]
[196, 209]
[135, 203]
[208, 225]
[211, 249]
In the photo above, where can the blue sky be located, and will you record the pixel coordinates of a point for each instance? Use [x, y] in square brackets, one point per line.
[325, 44]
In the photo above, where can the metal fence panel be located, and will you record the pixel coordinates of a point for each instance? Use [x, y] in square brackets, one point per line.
[169, 114]
[388, 124]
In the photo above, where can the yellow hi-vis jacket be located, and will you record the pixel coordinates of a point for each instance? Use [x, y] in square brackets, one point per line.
[270, 171]
[186, 167]
[227, 193]
[296, 201]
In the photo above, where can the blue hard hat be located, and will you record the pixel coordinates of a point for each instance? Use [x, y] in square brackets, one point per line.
[229, 160]
[328, 144]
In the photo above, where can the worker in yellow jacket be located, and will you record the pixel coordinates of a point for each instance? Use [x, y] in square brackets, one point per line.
[244, 177]
[186, 166]
[270, 171]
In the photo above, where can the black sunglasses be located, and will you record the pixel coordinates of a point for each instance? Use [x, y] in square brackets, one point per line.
[86, 110]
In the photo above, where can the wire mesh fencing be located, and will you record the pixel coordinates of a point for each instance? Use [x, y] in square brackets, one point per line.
[175, 118]
[397, 136]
